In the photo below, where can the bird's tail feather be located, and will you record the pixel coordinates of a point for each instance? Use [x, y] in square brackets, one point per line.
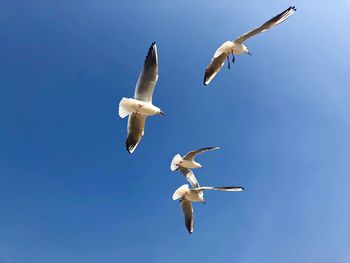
[175, 162]
[180, 192]
[123, 111]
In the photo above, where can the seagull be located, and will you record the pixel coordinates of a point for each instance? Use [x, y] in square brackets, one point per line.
[188, 160]
[187, 196]
[236, 46]
[141, 105]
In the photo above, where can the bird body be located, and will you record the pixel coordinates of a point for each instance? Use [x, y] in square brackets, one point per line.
[188, 161]
[230, 47]
[238, 48]
[179, 161]
[190, 164]
[192, 195]
[129, 105]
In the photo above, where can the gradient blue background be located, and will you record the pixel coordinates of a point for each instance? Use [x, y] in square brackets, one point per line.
[69, 191]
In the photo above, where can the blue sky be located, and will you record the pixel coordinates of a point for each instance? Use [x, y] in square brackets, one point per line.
[70, 192]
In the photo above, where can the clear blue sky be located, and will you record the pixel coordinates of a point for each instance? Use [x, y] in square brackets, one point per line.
[69, 191]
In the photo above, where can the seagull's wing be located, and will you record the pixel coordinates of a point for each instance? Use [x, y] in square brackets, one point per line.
[269, 24]
[188, 214]
[190, 155]
[220, 188]
[148, 77]
[136, 127]
[216, 63]
[189, 176]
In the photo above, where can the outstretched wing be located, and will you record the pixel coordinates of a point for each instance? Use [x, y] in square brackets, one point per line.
[189, 176]
[149, 76]
[214, 67]
[267, 25]
[190, 155]
[221, 188]
[136, 127]
[188, 214]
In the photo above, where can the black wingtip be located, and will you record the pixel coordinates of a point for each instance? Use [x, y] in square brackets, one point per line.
[206, 78]
[129, 149]
[130, 145]
[211, 148]
[152, 57]
[152, 46]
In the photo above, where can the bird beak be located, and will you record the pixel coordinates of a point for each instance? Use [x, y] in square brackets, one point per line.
[161, 114]
[249, 53]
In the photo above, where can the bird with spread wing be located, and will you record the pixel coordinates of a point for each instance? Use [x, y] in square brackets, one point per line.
[237, 47]
[139, 107]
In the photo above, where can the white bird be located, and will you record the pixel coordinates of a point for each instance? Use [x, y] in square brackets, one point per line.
[141, 105]
[188, 161]
[187, 196]
[236, 46]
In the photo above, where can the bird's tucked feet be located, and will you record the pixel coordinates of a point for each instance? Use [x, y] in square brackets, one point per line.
[233, 58]
[228, 61]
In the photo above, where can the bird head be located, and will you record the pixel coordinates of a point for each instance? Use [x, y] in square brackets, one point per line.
[245, 49]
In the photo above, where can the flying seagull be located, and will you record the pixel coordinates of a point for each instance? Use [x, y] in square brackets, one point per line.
[236, 46]
[188, 160]
[187, 196]
[141, 105]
